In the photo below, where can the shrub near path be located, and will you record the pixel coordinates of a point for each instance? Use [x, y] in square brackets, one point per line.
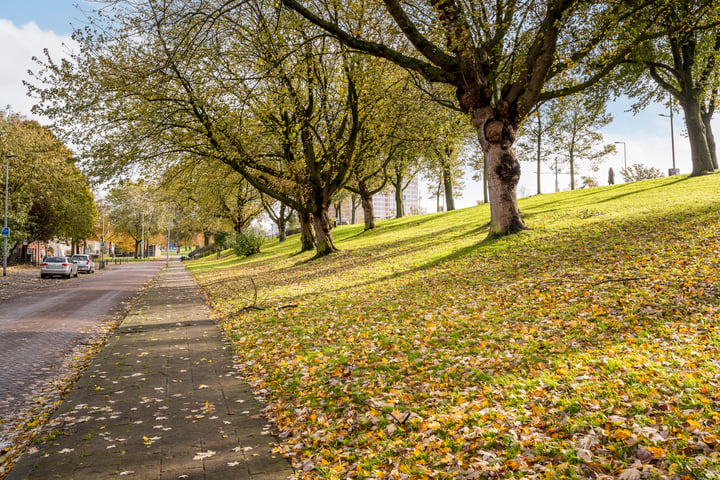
[587, 347]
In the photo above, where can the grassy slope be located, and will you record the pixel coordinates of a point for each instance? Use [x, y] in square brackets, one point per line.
[586, 346]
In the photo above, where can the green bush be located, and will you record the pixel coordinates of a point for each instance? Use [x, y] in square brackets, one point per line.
[224, 240]
[249, 242]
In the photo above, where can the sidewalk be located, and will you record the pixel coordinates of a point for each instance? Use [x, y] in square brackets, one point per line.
[161, 401]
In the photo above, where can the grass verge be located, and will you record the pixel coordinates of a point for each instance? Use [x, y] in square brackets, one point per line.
[586, 347]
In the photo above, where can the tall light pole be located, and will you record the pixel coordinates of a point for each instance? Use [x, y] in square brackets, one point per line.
[6, 232]
[672, 135]
[167, 252]
[624, 153]
[142, 236]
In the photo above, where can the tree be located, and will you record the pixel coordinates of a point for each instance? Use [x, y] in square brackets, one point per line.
[280, 214]
[684, 63]
[245, 85]
[502, 58]
[445, 170]
[637, 172]
[533, 139]
[574, 137]
[222, 196]
[132, 212]
[48, 196]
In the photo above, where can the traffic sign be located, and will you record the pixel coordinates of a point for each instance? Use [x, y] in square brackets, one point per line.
[6, 231]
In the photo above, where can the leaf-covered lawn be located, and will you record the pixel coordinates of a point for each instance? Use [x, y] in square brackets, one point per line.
[587, 347]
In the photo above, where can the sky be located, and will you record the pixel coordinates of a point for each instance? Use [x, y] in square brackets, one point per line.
[27, 27]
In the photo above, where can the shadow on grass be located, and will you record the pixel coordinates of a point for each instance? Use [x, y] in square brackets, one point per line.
[355, 260]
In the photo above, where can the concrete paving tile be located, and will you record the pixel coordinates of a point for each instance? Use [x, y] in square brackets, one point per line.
[95, 472]
[162, 393]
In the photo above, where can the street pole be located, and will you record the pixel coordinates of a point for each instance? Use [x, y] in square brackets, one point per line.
[624, 154]
[672, 134]
[167, 253]
[102, 242]
[5, 237]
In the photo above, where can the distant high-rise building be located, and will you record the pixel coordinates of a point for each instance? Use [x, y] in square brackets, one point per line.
[384, 204]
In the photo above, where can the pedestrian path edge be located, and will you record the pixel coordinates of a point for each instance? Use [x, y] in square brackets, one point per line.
[162, 400]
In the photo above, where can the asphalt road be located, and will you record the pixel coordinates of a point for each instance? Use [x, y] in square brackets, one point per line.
[42, 328]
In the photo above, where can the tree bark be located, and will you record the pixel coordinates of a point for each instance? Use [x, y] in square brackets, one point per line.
[496, 137]
[367, 206]
[399, 204]
[307, 239]
[448, 184]
[338, 213]
[700, 151]
[353, 209]
[323, 235]
[281, 223]
[486, 196]
[710, 136]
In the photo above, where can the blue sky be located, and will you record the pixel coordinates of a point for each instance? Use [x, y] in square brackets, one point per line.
[29, 26]
[54, 15]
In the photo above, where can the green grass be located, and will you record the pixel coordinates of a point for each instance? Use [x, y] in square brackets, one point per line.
[588, 344]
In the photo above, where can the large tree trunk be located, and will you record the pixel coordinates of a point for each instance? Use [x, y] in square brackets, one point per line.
[353, 209]
[238, 224]
[307, 239]
[367, 206]
[323, 235]
[282, 223]
[486, 195]
[448, 186]
[701, 159]
[398, 185]
[707, 117]
[496, 139]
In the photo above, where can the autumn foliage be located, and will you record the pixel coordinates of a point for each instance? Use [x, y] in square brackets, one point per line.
[587, 347]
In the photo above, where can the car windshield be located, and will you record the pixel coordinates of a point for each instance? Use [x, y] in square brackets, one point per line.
[56, 260]
[80, 257]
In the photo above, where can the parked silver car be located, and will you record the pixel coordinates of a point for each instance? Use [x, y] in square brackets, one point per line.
[84, 263]
[62, 266]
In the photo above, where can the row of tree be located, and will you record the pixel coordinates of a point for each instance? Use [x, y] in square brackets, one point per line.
[48, 197]
[305, 100]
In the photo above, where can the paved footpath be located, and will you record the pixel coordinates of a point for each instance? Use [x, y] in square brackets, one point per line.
[161, 401]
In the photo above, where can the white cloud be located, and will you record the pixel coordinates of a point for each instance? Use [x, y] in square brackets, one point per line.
[22, 43]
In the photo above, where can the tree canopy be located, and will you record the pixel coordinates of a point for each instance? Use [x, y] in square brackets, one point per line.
[48, 197]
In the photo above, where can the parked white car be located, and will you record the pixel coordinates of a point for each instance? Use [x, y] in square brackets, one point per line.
[84, 263]
[62, 266]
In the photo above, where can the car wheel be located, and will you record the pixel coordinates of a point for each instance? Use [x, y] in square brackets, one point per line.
[43, 276]
[76, 273]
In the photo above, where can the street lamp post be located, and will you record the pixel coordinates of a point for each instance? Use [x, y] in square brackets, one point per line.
[5, 226]
[672, 135]
[167, 252]
[624, 154]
